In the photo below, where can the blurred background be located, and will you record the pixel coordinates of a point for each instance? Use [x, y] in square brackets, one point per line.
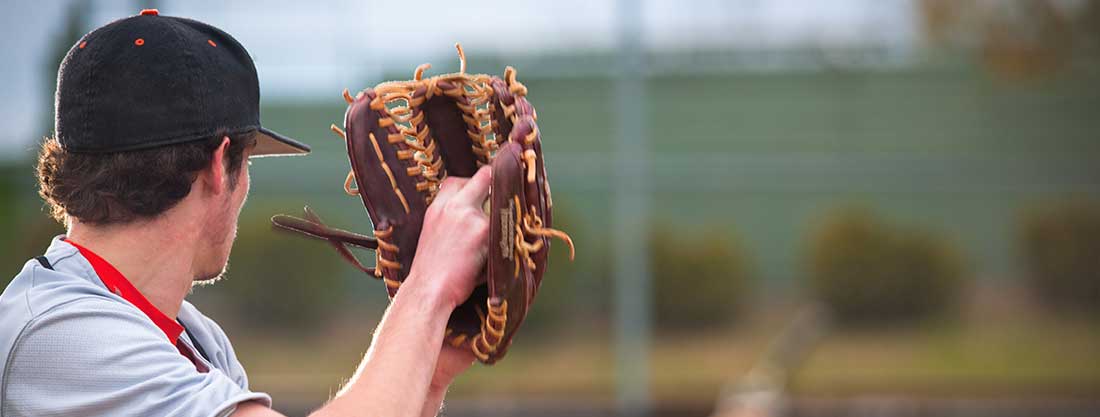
[851, 207]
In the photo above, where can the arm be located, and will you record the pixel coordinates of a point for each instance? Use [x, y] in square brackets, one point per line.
[394, 377]
[399, 375]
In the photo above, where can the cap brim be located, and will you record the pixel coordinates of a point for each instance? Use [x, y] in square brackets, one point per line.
[269, 143]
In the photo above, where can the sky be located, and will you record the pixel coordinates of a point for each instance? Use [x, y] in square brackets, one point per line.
[307, 50]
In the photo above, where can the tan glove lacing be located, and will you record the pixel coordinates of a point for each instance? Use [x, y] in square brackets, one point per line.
[400, 102]
[492, 327]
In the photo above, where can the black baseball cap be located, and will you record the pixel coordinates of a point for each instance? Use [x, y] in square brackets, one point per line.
[150, 80]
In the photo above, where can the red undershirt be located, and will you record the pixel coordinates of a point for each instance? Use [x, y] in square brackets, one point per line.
[122, 287]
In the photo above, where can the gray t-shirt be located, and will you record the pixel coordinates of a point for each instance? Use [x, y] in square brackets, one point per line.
[70, 347]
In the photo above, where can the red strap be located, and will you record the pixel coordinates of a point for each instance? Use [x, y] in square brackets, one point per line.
[121, 286]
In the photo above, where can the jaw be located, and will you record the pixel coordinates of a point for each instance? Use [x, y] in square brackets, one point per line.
[217, 232]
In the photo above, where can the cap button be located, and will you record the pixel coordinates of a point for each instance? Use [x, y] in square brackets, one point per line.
[150, 12]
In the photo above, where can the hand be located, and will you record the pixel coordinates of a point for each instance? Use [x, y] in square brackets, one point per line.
[454, 241]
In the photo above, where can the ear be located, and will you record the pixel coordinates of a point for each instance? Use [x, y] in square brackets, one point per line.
[214, 175]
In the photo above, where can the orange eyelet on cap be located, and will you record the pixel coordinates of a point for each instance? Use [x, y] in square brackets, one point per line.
[150, 12]
[139, 41]
[83, 44]
[211, 42]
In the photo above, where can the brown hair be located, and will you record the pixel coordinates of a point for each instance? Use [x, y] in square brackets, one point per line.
[120, 187]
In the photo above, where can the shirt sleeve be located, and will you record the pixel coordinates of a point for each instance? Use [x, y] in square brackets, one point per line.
[101, 358]
[217, 344]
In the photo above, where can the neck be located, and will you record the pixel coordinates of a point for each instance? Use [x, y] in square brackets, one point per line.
[156, 256]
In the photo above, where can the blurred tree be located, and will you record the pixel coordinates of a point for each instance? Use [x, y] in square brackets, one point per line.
[1061, 246]
[939, 19]
[30, 230]
[700, 280]
[868, 272]
[66, 36]
[1026, 39]
[1016, 39]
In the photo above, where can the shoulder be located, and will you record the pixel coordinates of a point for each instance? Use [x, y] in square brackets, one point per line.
[38, 298]
[38, 295]
[95, 355]
[37, 289]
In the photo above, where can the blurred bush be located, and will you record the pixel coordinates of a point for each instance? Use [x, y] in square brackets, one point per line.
[555, 302]
[28, 227]
[700, 280]
[280, 280]
[558, 304]
[8, 222]
[870, 273]
[1061, 247]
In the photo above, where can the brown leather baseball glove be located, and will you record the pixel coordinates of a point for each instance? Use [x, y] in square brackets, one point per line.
[403, 138]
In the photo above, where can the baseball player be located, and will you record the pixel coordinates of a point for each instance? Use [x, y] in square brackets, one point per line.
[157, 119]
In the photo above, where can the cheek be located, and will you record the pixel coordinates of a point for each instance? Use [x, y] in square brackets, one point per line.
[244, 183]
[247, 177]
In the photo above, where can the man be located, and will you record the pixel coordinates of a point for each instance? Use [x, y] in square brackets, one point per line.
[155, 119]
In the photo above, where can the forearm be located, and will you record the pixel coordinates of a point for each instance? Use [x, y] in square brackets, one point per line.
[404, 359]
[395, 376]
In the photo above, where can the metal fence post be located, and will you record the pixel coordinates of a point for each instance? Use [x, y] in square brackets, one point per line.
[630, 214]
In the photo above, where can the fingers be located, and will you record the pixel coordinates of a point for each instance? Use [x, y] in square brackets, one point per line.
[476, 190]
[448, 188]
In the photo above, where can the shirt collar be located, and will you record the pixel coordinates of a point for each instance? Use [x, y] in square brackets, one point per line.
[122, 287]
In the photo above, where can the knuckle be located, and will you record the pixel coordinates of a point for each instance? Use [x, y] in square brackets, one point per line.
[436, 207]
[453, 182]
[468, 213]
[475, 215]
[480, 225]
[433, 211]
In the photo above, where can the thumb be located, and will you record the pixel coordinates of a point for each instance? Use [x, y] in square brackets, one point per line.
[476, 190]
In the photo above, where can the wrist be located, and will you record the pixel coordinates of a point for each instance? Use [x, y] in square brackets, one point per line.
[428, 292]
